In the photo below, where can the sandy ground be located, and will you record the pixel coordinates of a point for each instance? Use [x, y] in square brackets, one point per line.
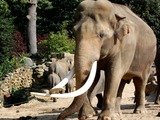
[45, 109]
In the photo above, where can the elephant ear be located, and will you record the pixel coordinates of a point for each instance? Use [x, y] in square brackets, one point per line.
[122, 28]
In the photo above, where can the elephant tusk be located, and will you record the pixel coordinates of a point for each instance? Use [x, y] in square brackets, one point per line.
[78, 92]
[64, 81]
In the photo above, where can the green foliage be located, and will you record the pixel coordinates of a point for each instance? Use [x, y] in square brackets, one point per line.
[6, 37]
[52, 14]
[4, 8]
[58, 42]
[9, 64]
[19, 11]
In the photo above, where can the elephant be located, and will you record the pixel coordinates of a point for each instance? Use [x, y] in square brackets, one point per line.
[112, 38]
[71, 85]
[53, 80]
[123, 45]
[157, 100]
[61, 67]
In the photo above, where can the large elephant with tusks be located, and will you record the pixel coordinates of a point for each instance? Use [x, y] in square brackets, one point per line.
[123, 45]
[114, 39]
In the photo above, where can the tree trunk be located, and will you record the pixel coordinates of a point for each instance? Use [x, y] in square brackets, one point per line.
[32, 36]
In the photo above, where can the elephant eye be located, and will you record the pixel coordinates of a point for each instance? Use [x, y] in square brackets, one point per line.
[101, 35]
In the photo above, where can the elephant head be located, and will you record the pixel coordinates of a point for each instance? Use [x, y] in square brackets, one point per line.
[98, 32]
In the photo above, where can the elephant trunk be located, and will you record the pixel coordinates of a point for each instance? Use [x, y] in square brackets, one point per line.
[82, 69]
[85, 56]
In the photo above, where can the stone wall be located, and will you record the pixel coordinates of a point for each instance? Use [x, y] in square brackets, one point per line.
[19, 79]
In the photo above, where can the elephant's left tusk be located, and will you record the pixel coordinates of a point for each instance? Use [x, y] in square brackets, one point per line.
[78, 92]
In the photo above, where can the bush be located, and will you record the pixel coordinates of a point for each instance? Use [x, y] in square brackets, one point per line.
[6, 37]
[58, 42]
[7, 45]
[20, 46]
[10, 64]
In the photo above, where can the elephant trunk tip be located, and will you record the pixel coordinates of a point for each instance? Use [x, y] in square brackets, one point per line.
[74, 107]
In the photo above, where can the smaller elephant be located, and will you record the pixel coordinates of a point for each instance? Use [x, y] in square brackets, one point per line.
[61, 68]
[53, 80]
[71, 85]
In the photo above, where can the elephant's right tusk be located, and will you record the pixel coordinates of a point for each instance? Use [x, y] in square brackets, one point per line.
[78, 92]
[64, 81]
[84, 88]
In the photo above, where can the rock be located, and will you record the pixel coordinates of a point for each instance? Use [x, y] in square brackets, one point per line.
[28, 62]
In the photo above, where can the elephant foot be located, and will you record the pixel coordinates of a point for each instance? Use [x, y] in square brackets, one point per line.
[157, 101]
[106, 115]
[118, 110]
[140, 110]
[99, 105]
[86, 112]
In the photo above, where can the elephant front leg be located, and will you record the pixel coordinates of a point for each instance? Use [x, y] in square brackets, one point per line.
[86, 111]
[119, 96]
[111, 87]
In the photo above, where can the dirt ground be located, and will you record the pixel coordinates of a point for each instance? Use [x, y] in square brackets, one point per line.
[45, 109]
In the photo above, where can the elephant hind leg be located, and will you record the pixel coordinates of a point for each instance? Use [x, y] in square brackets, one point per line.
[119, 96]
[139, 95]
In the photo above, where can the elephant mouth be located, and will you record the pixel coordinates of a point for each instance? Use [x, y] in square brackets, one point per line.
[76, 93]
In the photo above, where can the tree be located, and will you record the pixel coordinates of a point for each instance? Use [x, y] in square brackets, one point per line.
[32, 35]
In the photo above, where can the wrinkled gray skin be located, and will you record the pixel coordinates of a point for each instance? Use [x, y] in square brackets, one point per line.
[125, 48]
[157, 62]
